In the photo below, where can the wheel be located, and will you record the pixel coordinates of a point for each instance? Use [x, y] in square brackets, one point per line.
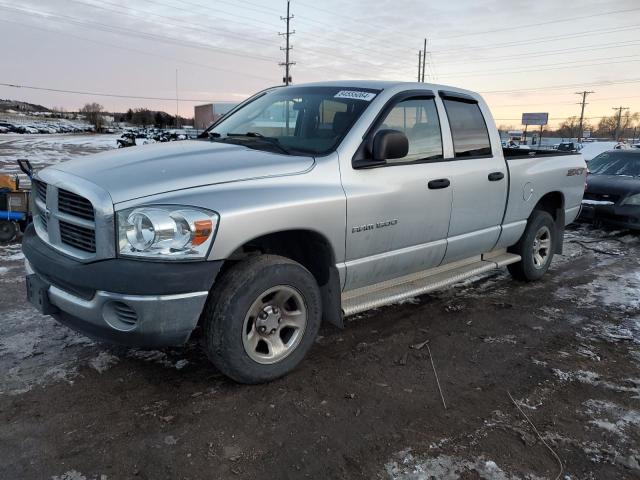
[8, 231]
[262, 318]
[536, 247]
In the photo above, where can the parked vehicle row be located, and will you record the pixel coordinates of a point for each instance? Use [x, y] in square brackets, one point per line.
[132, 137]
[45, 127]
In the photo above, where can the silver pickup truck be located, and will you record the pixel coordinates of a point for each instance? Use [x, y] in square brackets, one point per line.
[303, 204]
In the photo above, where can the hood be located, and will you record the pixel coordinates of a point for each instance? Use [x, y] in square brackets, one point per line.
[612, 186]
[136, 172]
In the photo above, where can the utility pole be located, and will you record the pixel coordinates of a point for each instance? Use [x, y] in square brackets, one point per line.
[424, 58]
[584, 98]
[177, 125]
[419, 63]
[287, 63]
[619, 109]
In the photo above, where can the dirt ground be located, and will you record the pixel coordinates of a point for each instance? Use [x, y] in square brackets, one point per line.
[365, 403]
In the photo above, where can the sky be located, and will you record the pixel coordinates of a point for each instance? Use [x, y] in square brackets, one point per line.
[522, 56]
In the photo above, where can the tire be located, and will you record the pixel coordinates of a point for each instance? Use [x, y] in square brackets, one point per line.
[252, 332]
[536, 247]
[8, 231]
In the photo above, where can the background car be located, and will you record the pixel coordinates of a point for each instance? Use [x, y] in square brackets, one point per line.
[612, 193]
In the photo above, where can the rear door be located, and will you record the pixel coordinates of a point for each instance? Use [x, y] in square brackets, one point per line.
[479, 177]
[396, 222]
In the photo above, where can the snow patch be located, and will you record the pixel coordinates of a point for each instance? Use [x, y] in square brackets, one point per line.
[504, 339]
[11, 252]
[592, 378]
[443, 467]
[103, 362]
[614, 418]
[70, 475]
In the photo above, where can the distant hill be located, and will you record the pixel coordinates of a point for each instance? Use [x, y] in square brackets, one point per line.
[21, 106]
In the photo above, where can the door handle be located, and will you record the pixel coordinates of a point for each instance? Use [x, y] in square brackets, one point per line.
[495, 176]
[439, 183]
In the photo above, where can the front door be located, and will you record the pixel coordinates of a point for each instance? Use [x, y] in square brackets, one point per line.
[398, 214]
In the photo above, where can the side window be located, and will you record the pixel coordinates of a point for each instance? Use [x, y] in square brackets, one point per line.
[468, 129]
[418, 119]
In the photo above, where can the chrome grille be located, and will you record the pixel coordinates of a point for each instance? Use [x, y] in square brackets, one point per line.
[78, 237]
[41, 191]
[44, 222]
[72, 204]
[73, 215]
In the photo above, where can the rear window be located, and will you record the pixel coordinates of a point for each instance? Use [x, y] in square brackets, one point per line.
[468, 129]
[616, 163]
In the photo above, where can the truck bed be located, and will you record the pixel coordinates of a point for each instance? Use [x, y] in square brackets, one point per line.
[512, 153]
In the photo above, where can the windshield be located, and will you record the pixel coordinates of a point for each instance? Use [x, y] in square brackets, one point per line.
[616, 163]
[295, 120]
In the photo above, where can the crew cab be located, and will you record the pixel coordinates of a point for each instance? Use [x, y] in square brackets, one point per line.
[303, 204]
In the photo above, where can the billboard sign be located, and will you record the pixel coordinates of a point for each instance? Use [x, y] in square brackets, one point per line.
[535, 118]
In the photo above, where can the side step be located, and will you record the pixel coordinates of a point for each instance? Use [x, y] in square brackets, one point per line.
[392, 291]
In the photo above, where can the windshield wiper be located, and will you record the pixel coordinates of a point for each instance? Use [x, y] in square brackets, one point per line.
[261, 138]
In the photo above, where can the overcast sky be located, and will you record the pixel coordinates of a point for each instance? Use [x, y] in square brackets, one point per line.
[224, 50]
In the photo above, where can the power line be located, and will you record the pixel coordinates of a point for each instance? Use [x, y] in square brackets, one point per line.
[111, 29]
[265, 11]
[217, 9]
[562, 87]
[518, 27]
[188, 24]
[529, 25]
[544, 53]
[551, 38]
[134, 33]
[135, 50]
[564, 66]
[550, 118]
[101, 94]
[565, 103]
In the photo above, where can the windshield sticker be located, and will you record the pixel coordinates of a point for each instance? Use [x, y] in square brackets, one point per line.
[355, 95]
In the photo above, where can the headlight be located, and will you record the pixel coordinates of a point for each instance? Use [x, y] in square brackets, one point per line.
[632, 200]
[166, 232]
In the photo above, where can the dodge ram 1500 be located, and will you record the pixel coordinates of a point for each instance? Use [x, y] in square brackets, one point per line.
[304, 203]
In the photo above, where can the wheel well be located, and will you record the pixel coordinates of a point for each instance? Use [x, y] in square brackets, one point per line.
[310, 249]
[553, 203]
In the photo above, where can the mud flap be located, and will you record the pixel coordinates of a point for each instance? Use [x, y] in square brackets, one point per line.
[560, 220]
[331, 299]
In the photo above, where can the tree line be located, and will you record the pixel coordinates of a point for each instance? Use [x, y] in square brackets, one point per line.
[614, 127]
[626, 125]
[142, 117]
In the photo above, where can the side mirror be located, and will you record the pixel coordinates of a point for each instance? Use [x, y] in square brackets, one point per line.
[389, 144]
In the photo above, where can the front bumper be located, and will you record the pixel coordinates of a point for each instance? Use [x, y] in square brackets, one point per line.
[126, 302]
[621, 216]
